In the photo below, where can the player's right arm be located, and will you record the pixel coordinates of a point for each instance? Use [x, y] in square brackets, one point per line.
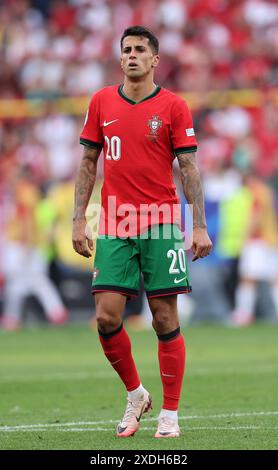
[84, 185]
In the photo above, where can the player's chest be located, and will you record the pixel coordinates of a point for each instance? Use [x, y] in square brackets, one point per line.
[140, 122]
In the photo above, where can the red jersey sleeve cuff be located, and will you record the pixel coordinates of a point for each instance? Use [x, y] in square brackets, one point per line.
[191, 148]
[90, 143]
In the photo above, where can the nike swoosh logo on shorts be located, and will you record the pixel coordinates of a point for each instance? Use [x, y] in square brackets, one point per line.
[177, 281]
[109, 122]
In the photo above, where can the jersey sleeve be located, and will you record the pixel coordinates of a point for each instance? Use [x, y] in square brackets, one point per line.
[91, 135]
[182, 131]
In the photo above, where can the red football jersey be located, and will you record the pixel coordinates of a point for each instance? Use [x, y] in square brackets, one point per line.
[139, 141]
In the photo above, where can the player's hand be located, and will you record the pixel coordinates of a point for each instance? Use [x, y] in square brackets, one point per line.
[81, 238]
[201, 245]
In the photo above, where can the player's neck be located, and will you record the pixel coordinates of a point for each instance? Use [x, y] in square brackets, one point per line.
[137, 91]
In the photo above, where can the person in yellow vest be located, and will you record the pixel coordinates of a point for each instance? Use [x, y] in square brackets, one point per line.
[60, 197]
[259, 258]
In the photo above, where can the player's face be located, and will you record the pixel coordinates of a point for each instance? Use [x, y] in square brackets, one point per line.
[137, 57]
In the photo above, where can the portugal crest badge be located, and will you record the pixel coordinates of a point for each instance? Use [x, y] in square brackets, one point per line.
[154, 124]
[95, 273]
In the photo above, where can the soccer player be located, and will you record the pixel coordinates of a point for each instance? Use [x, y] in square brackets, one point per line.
[141, 128]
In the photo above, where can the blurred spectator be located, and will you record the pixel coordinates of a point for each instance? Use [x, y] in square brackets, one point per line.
[24, 264]
[60, 198]
[259, 259]
[57, 135]
[68, 46]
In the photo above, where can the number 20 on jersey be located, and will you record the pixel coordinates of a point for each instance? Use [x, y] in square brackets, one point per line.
[113, 151]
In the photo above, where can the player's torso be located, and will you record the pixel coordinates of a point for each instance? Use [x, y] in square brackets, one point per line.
[138, 156]
[136, 134]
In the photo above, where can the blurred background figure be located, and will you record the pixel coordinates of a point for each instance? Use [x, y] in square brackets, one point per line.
[223, 57]
[25, 265]
[259, 259]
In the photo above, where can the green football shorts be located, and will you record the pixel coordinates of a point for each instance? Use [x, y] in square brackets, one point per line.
[158, 254]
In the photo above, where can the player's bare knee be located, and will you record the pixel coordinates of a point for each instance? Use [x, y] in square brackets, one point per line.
[164, 322]
[107, 318]
[107, 323]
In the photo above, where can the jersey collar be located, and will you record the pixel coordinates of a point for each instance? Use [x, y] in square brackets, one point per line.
[154, 93]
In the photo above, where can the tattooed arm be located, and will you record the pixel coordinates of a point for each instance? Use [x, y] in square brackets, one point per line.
[192, 188]
[84, 185]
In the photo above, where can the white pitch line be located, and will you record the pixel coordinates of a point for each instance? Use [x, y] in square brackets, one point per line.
[184, 429]
[56, 426]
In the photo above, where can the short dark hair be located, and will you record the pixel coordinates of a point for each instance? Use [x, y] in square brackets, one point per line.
[142, 31]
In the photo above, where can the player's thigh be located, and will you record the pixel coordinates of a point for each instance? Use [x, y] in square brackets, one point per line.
[116, 267]
[164, 262]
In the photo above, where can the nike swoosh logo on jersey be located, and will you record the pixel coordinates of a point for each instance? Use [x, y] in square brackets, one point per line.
[109, 122]
[177, 281]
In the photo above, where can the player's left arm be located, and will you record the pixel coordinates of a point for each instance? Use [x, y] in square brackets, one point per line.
[193, 191]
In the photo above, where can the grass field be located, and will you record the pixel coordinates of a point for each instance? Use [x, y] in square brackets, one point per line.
[58, 392]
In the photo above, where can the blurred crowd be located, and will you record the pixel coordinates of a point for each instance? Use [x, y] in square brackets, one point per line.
[70, 48]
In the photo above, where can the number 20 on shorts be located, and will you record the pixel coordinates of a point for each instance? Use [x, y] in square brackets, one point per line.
[178, 263]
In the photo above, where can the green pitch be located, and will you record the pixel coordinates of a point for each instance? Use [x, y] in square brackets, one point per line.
[58, 392]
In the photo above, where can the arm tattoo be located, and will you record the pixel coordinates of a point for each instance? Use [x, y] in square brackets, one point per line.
[192, 187]
[85, 181]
